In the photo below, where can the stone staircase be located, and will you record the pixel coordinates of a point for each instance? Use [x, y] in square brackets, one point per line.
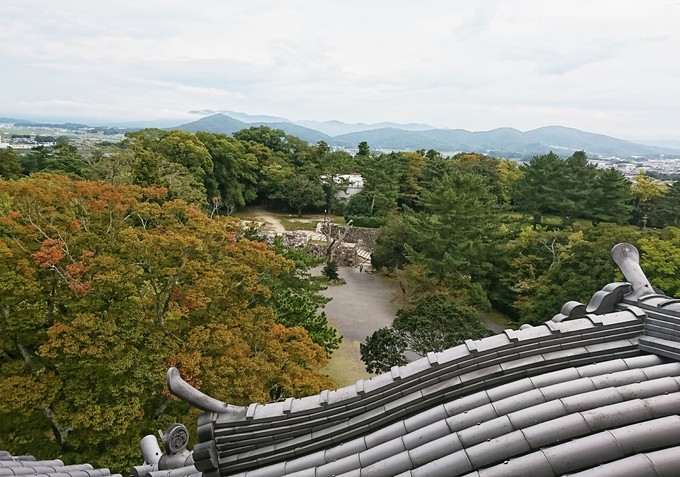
[363, 257]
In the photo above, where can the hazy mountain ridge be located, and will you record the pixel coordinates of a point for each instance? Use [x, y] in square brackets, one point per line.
[245, 117]
[329, 128]
[503, 142]
[506, 142]
[336, 128]
[223, 124]
[217, 123]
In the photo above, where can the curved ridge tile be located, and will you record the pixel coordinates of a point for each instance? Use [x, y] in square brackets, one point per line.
[605, 300]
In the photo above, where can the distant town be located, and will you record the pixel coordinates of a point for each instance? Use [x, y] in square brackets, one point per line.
[668, 169]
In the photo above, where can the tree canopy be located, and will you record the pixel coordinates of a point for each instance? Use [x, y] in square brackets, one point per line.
[454, 234]
[102, 287]
[433, 324]
[571, 188]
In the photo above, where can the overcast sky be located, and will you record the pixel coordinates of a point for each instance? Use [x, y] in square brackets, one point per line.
[604, 66]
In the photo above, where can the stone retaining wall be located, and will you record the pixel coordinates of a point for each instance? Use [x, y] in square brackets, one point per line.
[345, 255]
[295, 239]
[363, 236]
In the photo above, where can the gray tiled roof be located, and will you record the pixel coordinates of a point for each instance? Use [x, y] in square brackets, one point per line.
[28, 465]
[595, 389]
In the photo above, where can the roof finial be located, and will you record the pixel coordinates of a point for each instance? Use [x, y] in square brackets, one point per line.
[187, 393]
[627, 258]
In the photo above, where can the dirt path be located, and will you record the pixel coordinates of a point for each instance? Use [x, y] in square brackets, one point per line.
[357, 309]
[361, 306]
[270, 222]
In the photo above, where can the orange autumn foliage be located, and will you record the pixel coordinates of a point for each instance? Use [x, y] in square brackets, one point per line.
[102, 287]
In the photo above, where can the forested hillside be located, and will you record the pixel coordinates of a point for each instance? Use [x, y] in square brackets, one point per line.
[120, 261]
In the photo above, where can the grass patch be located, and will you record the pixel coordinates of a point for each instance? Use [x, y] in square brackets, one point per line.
[308, 222]
[345, 366]
[297, 224]
[288, 221]
[498, 318]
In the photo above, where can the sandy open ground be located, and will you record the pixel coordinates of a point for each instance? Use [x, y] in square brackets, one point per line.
[358, 308]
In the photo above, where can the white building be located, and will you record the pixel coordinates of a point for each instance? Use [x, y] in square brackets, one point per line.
[355, 185]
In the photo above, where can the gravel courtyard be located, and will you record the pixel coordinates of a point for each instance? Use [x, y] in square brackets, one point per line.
[358, 308]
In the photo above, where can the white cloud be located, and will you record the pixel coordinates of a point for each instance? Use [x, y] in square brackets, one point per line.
[605, 66]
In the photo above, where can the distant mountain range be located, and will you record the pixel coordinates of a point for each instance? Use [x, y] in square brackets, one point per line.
[502, 142]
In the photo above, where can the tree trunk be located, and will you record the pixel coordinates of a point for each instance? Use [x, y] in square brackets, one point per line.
[62, 431]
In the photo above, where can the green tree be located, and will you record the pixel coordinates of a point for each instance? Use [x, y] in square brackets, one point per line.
[63, 158]
[359, 207]
[661, 260]
[274, 139]
[10, 165]
[379, 196]
[434, 324]
[300, 192]
[330, 166]
[551, 185]
[390, 251]
[410, 181]
[185, 148]
[36, 160]
[529, 256]
[176, 146]
[540, 191]
[550, 268]
[111, 165]
[609, 200]
[66, 158]
[234, 169]
[435, 168]
[181, 183]
[174, 159]
[508, 174]
[667, 211]
[299, 308]
[485, 166]
[364, 150]
[383, 349]
[457, 232]
[330, 270]
[146, 167]
[577, 185]
[646, 192]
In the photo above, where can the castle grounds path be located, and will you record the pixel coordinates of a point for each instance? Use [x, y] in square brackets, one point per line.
[357, 309]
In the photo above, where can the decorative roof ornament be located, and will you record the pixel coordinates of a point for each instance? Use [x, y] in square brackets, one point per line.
[627, 257]
[190, 395]
[637, 288]
[177, 461]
